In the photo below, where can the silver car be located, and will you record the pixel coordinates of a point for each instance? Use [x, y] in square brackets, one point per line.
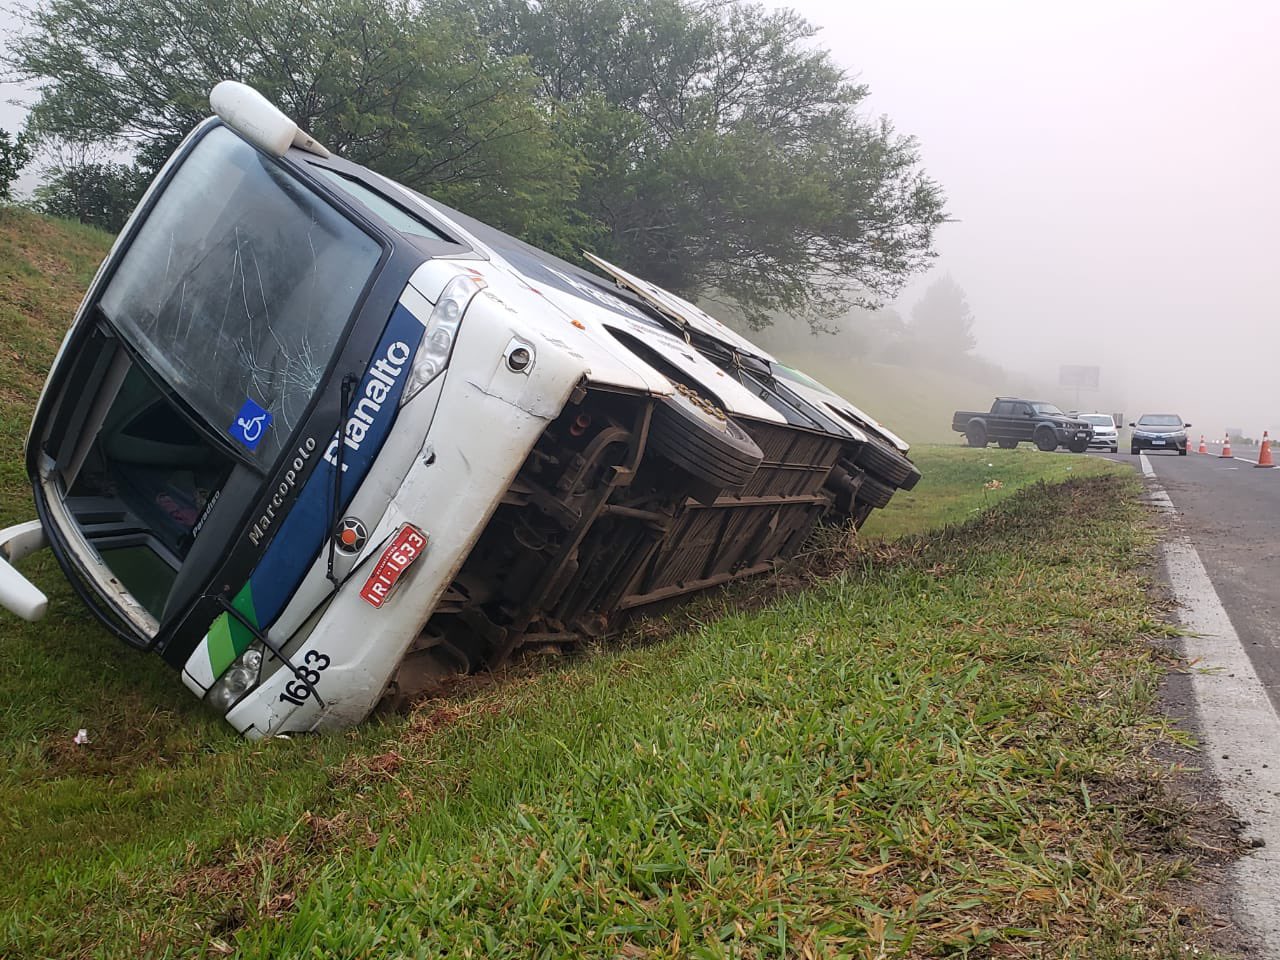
[1105, 433]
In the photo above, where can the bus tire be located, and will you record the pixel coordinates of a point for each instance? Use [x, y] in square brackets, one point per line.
[695, 434]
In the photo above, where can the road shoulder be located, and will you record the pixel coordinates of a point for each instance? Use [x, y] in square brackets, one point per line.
[1238, 728]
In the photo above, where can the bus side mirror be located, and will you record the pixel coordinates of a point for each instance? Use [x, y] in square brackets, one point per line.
[259, 121]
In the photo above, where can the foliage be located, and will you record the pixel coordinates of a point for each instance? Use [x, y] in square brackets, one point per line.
[409, 93]
[942, 320]
[709, 146]
[93, 190]
[15, 153]
[726, 154]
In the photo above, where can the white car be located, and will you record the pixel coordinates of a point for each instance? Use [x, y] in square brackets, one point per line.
[1105, 432]
[316, 439]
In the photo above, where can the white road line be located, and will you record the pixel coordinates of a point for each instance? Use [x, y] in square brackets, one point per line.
[1240, 730]
[1155, 493]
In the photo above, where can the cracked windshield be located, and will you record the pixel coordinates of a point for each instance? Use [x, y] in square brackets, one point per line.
[242, 315]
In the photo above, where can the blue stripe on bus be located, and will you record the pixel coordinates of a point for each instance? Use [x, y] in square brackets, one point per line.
[306, 529]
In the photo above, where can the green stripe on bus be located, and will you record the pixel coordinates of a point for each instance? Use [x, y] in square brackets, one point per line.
[222, 649]
[242, 636]
[228, 637]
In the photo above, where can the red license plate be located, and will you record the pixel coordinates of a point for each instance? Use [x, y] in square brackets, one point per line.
[405, 547]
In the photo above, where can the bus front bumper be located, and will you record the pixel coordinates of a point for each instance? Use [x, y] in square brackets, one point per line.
[18, 594]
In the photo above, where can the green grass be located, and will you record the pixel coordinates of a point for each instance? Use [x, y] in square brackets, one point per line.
[45, 266]
[64, 670]
[941, 751]
[959, 482]
[904, 761]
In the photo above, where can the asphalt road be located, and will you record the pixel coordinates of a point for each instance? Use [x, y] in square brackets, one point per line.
[1230, 510]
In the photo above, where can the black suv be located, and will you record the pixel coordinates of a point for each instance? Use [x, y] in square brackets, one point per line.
[1159, 431]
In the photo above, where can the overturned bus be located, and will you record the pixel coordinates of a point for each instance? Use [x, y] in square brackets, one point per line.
[317, 440]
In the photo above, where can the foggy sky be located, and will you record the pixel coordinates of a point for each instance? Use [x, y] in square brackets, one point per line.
[1112, 167]
[1115, 170]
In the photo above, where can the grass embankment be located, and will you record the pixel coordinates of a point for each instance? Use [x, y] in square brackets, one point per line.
[959, 483]
[940, 749]
[64, 666]
[45, 266]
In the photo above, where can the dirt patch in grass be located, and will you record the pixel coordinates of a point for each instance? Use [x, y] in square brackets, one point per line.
[258, 881]
[227, 887]
[234, 873]
[360, 771]
[132, 738]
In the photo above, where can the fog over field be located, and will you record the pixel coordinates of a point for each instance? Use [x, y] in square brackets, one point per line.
[1112, 171]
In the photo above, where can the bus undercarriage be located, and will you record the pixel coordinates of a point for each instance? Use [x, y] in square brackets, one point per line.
[620, 507]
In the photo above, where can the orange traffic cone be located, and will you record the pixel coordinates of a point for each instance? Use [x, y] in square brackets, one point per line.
[1203, 447]
[1264, 455]
[1226, 453]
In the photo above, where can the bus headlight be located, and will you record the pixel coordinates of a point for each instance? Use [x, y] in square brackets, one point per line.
[442, 329]
[238, 680]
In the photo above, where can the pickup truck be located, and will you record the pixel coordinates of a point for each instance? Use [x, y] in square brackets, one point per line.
[1010, 421]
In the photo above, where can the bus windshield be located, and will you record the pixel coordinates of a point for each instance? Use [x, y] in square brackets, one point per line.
[237, 290]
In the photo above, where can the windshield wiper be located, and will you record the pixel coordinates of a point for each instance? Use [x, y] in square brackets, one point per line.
[261, 637]
[335, 511]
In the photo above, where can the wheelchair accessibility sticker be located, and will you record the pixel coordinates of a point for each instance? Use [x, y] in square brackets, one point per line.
[251, 423]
